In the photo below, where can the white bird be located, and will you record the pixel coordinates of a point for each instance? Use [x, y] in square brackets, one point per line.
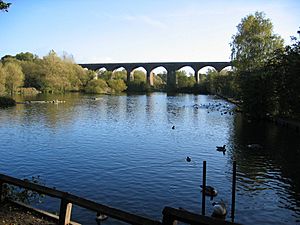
[101, 217]
[219, 209]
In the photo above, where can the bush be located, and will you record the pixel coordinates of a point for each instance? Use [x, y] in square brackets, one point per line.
[98, 86]
[24, 195]
[7, 101]
[137, 86]
[117, 85]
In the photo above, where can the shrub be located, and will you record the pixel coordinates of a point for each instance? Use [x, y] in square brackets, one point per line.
[98, 86]
[117, 85]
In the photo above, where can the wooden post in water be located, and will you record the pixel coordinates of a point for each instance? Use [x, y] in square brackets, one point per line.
[233, 190]
[65, 212]
[203, 187]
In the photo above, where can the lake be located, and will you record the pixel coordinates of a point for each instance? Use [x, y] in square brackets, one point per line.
[122, 151]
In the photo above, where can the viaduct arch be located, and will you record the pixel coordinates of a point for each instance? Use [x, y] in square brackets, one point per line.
[171, 68]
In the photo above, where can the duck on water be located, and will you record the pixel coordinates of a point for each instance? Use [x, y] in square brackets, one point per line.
[219, 209]
[221, 149]
[210, 191]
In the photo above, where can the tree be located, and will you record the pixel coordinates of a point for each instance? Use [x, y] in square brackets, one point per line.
[2, 80]
[185, 81]
[105, 75]
[254, 42]
[158, 82]
[285, 67]
[98, 86]
[14, 76]
[163, 77]
[7, 57]
[120, 75]
[4, 6]
[27, 56]
[54, 78]
[117, 85]
[139, 76]
[252, 48]
[34, 73]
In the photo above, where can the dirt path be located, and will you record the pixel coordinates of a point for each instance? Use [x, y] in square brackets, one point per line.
[11, 214]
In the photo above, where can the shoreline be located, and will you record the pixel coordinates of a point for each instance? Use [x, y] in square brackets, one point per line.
[279, 121]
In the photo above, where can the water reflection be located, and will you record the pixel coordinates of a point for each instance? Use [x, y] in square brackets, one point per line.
[267, 177]
[122, 151]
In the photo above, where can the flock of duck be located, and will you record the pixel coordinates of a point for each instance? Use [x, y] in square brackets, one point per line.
[219, 107]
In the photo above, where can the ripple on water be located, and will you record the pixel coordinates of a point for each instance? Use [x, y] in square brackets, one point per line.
[122, 151]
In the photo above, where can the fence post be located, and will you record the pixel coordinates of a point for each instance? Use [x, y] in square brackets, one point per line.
[1, 191]
[167, 218]
[203, 187]
[233, 190]
[65, 212]
[168, 221]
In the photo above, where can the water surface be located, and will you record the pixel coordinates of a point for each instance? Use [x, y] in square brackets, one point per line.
[122, 151]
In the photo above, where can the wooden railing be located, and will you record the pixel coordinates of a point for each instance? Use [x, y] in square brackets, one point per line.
[68, 199]
[170, 215]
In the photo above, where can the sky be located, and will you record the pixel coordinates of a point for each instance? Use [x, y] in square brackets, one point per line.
[103, 31]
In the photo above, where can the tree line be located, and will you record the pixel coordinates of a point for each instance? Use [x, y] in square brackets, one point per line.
[49, 74]
[54, 74]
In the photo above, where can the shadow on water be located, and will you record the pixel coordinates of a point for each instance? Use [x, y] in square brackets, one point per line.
[272, 170]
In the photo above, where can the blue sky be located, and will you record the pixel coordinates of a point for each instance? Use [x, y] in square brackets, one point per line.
[136, 30]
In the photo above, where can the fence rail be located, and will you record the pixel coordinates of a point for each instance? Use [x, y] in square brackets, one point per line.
[170, 215]
[67, 198]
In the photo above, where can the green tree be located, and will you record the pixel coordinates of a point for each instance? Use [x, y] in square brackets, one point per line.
[139, 76]
[117, 85]
[209, 81]
[14, 77]
[163, 77]
[54, 78]
[2, 80]
[285, 67]
[4, 6]
[120, 75]
[7, 57]
[97, 86]
[27, 56]
[34, 73]
[252, 48]
[158, 83]
[138, 84]
[105, 75]
[185, 81]
[254, 42]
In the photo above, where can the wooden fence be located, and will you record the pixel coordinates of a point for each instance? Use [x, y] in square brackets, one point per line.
[170, 215]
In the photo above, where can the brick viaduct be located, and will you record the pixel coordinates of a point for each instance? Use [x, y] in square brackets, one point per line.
[171, 68]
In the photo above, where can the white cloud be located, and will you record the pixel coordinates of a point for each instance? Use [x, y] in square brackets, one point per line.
[144, 19]
[153, 22]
